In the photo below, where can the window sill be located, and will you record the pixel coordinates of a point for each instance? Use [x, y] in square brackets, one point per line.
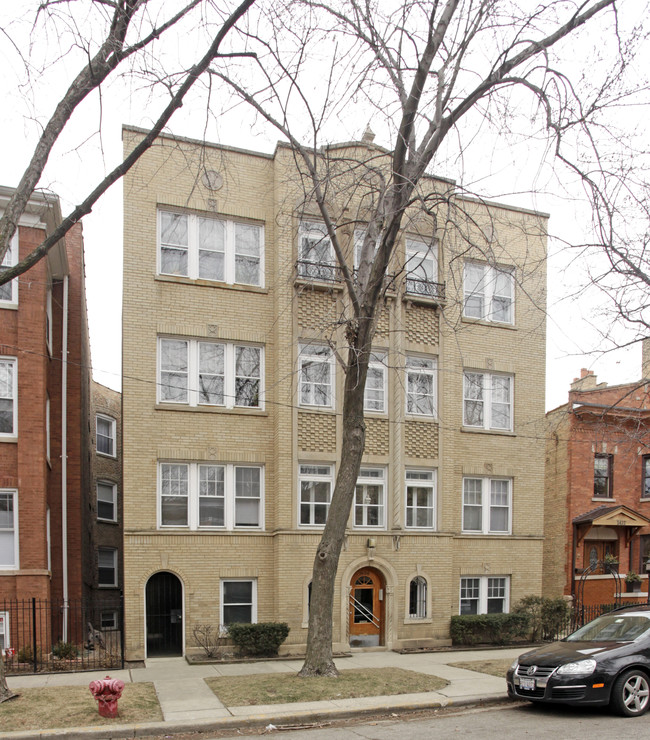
[485, 534]
[10, 306]
[238, 410]
[606, 500]
[10, 439]
[105, 454]
[422, 300]
[182, 280]
[485, 322]
[418, 620]
[421, 417]
[106, 521]
[318, 409]
[320, 285]
[498, 432]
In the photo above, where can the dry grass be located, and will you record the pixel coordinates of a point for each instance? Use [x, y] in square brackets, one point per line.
[74, 706]
[493, 667]
[280, 688]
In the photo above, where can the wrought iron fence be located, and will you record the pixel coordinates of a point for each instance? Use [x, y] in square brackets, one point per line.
[41, 635]
[579, 615]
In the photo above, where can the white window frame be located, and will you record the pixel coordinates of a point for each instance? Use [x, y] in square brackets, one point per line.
[230, 499]
[422, 596]
[416, 365]
[420, 478]
[487, 399]
[193, 248]
[421, 264]
[192, 373]
[309, 473]
[485, 583]
[113, 488]
[315, 232]
[11, 363]
[114, 618]
[113, 552]
[13, 529]
[322, 355]
[112, 436]
[370, 476]
[253, 602]
[488, 501]
[9, 260]
[378, 405]
[5, 642]
[486, 294]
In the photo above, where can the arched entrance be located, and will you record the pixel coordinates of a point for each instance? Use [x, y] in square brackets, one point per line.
[366, 610]
[164, 601]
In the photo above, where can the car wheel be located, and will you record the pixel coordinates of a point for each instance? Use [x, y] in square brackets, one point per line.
[631, 693]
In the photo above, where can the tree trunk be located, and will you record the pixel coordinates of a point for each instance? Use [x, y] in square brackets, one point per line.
[5, 691]
[318, 659]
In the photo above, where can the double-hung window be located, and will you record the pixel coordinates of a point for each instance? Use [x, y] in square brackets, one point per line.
[207, 495]
[374, 399]
[316, 484]
[208, 248]
[8, 397]
[420, 499]
[487, 401]
[421, 380]
[238, 602]
[645, 476]
[484, 595]
[315, 253]
[489, 293]
[422, 268]
[370, 498]
[105, 426]
[197, 373]
[486, 505]
[603, 478]
[9, 291]
[316, 376]
[8, 529]
[106, 567]
[106, 501]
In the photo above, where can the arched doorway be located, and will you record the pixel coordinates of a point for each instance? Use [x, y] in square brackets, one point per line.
[164, 601]
[366, 610]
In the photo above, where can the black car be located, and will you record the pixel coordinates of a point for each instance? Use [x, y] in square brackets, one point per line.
[605, 662]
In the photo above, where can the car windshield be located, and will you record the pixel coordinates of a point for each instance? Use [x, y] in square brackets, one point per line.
[615, 627]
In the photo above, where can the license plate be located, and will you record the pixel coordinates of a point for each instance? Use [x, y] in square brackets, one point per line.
[527, 683]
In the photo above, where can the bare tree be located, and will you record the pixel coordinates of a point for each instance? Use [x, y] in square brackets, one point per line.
[427, 71]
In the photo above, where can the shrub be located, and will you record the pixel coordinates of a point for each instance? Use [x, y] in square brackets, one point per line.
[493, 629]
[546, 616]
[26, 654]
[64, 650]
[261, 639]
[205, 639]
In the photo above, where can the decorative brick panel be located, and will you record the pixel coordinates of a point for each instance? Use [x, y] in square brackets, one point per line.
[316, 311]
[421, 439]
[382, 333]
[422, 325]
[316, 432]
[377, 439]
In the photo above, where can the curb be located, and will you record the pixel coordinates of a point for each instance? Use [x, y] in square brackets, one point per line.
[176, 728]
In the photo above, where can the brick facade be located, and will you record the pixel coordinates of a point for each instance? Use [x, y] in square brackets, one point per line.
[284, 312]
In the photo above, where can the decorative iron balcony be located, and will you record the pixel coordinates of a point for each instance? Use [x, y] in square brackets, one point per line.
[425, 288]
[324, 272]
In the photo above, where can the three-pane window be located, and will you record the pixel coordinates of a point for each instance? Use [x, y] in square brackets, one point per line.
[210, 248]
[487, 401]
[198, 495]
[210, 373]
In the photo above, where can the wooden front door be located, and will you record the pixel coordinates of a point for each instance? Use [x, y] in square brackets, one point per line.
[366, 608]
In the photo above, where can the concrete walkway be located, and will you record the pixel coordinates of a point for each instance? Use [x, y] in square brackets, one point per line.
[188, 705]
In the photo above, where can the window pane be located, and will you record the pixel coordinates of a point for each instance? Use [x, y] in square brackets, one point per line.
[247, 254]
[211, 512]
[237, 592]
[174, 511]
[174, 243]
[174, 370]
[211, 249]
[237, 614]
[211, 373]
[6, 397]
[247, 376]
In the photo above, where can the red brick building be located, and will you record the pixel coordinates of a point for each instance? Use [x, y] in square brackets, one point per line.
[597, 497]
[45, 441]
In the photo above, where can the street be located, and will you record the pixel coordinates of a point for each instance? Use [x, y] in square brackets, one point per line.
[507, 720]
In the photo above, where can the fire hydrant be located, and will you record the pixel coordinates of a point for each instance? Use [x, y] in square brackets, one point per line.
[107, 692]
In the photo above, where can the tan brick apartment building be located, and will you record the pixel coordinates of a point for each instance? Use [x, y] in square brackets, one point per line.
[598, 490]
[232, 408]
[44, 434]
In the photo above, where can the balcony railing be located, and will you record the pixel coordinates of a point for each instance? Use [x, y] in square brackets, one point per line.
[425, 288]
[323, 272]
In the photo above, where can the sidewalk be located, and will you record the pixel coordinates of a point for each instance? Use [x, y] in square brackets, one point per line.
[188, 705]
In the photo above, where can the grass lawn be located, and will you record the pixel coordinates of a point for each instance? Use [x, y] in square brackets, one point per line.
[74, 706]
[493, 667]
[283, 688]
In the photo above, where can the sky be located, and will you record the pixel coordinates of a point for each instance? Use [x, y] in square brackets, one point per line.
[82, 155]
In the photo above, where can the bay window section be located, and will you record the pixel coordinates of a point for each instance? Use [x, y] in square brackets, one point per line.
[203, 495]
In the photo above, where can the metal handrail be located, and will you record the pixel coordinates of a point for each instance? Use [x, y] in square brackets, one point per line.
[373, 620]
